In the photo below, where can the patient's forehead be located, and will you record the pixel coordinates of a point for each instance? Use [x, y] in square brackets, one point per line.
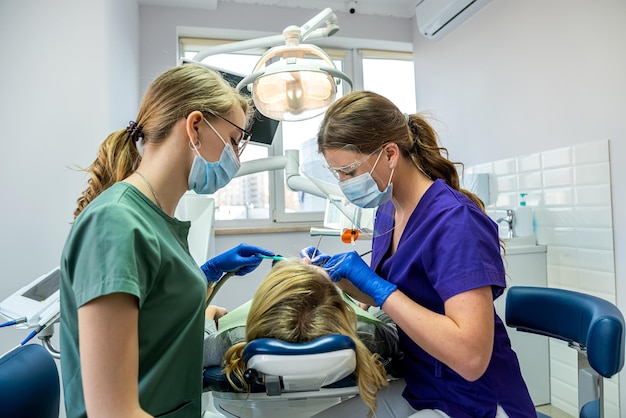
[306, 262]
[321, 270]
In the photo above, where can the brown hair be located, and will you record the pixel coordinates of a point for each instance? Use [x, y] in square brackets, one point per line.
[171, 96]
[368, 121]
[298, 303]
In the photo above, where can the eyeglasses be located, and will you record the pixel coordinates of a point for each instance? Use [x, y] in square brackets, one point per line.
[245, 136]
[349, 169]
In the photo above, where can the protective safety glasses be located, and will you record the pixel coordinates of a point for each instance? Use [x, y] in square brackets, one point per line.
[349, 169]
[348, 220]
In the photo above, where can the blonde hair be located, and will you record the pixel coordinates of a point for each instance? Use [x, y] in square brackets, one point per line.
[171, 96]
[298, 303]
[368, 121]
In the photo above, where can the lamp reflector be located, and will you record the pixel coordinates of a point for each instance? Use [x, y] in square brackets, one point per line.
[293, 95]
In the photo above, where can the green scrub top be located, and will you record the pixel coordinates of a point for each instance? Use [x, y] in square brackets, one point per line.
[123, 242]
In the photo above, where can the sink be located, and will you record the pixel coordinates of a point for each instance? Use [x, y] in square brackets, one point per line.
[520, 242]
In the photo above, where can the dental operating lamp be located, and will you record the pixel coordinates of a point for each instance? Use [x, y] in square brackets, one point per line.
[293, 81]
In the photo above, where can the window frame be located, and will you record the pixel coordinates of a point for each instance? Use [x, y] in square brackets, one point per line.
[352, 57]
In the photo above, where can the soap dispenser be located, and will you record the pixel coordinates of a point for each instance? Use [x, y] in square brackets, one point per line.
[523, 218]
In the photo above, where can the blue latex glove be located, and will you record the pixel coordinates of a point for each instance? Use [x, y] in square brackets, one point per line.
[318, 259]
[352, 267]
[241, 260]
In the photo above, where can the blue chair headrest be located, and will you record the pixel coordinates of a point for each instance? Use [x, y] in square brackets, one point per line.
[215, 380]
[573, 317]
[325, 344]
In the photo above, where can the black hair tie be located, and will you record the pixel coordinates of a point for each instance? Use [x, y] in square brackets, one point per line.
[135, 131]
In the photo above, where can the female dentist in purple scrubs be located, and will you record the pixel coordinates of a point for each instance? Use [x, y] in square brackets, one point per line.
[437, 271]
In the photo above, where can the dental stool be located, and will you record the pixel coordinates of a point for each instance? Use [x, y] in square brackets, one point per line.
[593, 326]
[29, 383]
[286, 379]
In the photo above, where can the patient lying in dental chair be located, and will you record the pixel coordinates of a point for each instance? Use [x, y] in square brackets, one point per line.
[298, 303]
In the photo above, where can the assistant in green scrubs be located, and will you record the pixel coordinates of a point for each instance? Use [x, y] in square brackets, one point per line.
[132, 297]
[143, 252]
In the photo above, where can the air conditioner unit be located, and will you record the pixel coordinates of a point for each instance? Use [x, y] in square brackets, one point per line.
[436, 18]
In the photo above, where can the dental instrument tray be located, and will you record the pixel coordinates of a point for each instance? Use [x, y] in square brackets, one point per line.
[36, 302]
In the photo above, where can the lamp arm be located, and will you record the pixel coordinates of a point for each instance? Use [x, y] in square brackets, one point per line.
[336, 73]
[316, 21]
[293, 179]
[298, 183]
[324, 32]
[248, 79]
[308, 30]
[262, 164]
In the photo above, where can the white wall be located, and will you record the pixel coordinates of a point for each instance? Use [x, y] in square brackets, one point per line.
[522, 77]
[569, 193]
[68, 78]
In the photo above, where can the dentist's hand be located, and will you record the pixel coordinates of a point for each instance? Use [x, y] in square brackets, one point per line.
[314, 256]
[352, 267]
[241, 260]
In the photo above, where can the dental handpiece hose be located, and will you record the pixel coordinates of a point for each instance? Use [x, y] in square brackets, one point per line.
[32, 334]
[13, 322]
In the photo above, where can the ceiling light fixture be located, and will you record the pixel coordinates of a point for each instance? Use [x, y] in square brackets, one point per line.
[293, 81]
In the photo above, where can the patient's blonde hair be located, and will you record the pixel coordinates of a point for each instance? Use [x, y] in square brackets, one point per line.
[298, 303]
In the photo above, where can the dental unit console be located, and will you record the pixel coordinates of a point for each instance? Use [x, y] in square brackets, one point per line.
[36, 304]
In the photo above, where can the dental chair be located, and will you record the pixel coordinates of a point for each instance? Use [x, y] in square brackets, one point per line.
[29, 383]
[593, 326]
[286, 379]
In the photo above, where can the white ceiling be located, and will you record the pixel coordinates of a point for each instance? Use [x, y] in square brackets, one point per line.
[394, 8]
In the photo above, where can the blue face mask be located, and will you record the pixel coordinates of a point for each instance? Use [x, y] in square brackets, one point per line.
[206, 177]
[363, 192]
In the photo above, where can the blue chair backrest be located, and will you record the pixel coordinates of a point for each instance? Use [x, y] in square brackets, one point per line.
[573, 317]
[29, 383]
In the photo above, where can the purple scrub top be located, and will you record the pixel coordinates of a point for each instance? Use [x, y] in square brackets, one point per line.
[450, 246]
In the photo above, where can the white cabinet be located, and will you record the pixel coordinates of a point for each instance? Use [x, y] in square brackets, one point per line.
[526, 266]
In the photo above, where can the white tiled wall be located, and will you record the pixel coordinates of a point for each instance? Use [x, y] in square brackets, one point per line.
[569, 190]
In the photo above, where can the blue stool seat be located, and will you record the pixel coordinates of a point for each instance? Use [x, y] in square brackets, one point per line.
[29, 383]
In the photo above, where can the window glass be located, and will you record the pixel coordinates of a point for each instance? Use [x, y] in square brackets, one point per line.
[377, 73]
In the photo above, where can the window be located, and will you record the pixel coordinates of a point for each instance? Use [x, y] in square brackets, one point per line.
[379, 67]
[263, 198]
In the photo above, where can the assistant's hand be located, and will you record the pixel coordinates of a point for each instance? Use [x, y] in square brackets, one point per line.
[241, 260]
[352, 267]
[215, 312]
